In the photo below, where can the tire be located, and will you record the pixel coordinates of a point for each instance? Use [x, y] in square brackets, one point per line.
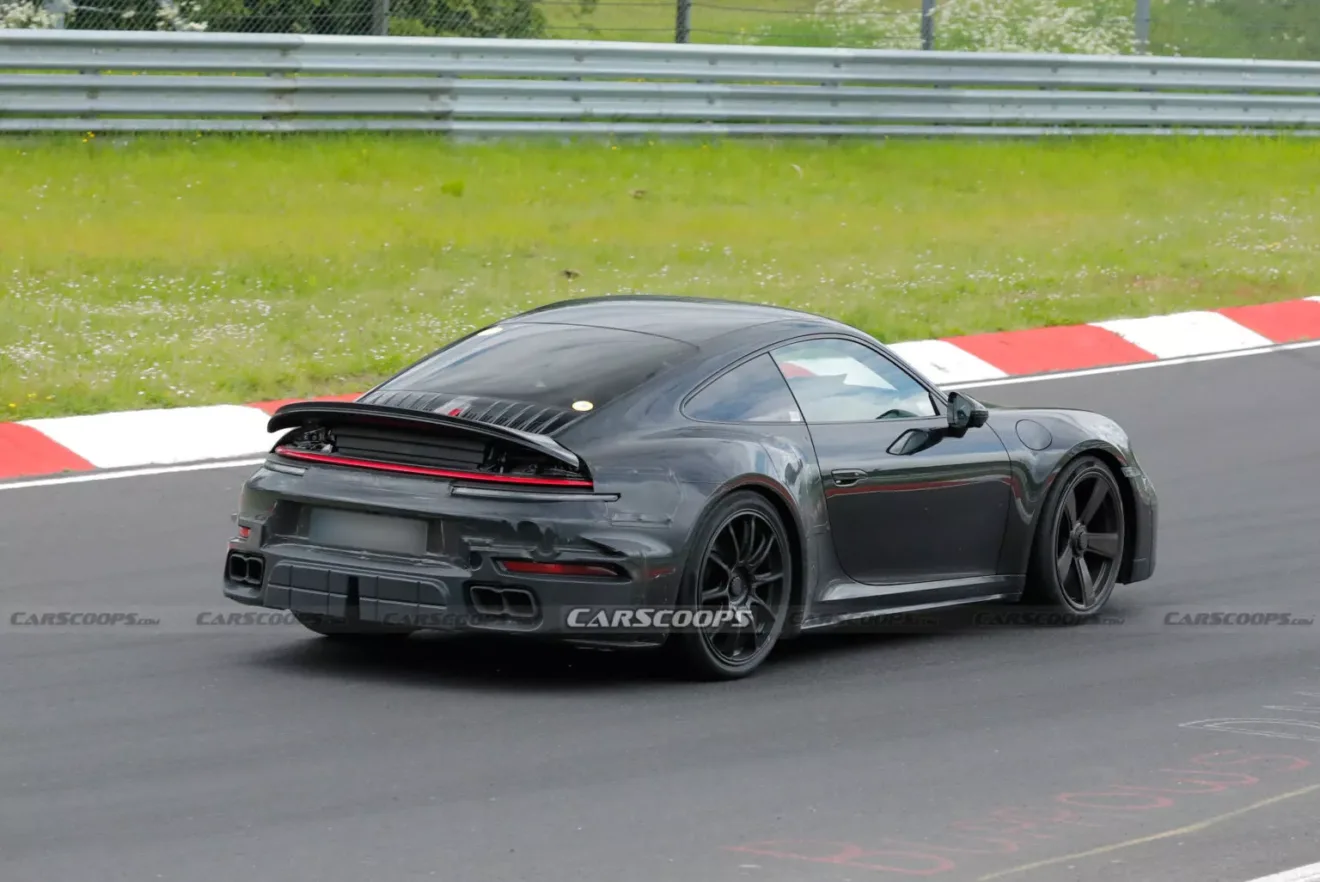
[1080, 540]
[721, 574]
[349, 631]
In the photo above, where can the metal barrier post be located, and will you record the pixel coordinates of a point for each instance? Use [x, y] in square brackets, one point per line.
[380, 18]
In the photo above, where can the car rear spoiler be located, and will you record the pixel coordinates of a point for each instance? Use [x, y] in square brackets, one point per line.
[328, 414]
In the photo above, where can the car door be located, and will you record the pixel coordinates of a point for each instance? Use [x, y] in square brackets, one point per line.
[907, 501]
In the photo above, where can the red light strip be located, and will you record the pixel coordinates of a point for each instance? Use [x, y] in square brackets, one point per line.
[331, 459]
[530, 567]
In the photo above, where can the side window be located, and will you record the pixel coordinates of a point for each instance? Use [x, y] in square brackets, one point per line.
[839, 381]
[750, 393]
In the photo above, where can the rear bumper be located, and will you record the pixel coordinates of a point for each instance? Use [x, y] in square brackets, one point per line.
[1145, 528]
[423, 595]
[423, 557]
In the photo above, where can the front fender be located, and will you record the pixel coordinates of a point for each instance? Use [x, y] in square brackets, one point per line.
[1036, 466]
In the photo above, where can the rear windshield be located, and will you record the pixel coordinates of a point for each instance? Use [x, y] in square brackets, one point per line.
[559, 366]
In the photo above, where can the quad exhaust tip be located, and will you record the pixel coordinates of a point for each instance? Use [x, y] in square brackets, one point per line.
[248, 569]
[512, 603]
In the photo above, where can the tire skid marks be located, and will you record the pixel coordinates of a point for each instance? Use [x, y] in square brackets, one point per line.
[1285, 728]
[1021, 830]
[1016, 830]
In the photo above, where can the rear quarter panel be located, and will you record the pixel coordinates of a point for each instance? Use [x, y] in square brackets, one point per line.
[667, 479]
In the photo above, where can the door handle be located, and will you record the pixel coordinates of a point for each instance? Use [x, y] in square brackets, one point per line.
[847, 477]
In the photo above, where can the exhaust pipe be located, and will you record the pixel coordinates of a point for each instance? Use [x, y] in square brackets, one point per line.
[512, 603]
[247, 569]
[487, 601]
[519, 603]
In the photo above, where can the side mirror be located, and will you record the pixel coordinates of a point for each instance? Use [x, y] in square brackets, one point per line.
[965, 413]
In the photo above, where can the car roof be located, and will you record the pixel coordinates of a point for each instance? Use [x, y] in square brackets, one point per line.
[692, 320]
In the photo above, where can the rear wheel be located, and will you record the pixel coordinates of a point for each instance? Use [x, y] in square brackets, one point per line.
[739, 573]
[349, 631]
[1079, 541]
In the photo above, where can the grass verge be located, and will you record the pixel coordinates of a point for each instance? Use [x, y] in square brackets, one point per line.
[764, 22]
[170, 271]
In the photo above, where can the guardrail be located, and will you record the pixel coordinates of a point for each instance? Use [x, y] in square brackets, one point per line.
[147, 81]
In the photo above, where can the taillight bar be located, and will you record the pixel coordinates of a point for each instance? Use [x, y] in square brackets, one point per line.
[426, 471]
[538, 568]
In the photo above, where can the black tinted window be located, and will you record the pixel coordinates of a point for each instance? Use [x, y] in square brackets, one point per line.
[562, 366]
[839, 381]
[750, 393]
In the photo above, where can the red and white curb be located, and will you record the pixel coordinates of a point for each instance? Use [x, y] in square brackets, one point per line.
[174, 436]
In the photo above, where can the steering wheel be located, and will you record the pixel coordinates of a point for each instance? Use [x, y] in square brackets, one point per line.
[896, 412]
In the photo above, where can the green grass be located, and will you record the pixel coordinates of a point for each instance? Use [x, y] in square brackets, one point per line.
[767, 22]
[1236, 29]
[171, 271]
[1264, 29]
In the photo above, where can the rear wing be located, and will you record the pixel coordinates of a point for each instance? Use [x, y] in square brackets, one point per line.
[329, 414]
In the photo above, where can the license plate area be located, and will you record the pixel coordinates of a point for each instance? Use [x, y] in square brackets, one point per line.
[338, 528]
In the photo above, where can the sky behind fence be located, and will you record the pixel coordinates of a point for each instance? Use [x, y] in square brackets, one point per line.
[1266, 29]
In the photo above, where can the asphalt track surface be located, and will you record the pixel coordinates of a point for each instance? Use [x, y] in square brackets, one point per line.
[1009, 753]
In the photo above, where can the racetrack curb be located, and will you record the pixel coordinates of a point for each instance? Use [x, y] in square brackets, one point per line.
[129, 439]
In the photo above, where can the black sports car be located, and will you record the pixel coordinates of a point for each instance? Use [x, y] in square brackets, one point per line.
[702, 475]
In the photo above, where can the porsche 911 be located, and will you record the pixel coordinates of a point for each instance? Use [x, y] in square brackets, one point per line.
[702, 477]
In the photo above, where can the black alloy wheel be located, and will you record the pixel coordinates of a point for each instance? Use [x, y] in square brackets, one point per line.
[739, 581]
[1080, 542]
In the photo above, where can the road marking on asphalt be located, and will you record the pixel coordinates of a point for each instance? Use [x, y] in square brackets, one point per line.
[1302, 730]
[1168, 834]
[131, 473]
[1308, 873]
[979, 384]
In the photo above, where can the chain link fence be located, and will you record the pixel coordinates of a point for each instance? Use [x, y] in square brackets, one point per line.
[1265, 29]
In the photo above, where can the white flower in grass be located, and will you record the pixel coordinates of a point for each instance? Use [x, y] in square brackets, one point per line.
[174, 16]
[27, 15]
[1094, 27]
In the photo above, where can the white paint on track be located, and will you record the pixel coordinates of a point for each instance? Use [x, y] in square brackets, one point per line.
[1308, 873]
[943, 362]
[137, 437]
[93, 477]
[1185, 333]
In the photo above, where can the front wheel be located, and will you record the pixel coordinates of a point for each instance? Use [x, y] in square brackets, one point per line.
[1080, 540]
[739, 574]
